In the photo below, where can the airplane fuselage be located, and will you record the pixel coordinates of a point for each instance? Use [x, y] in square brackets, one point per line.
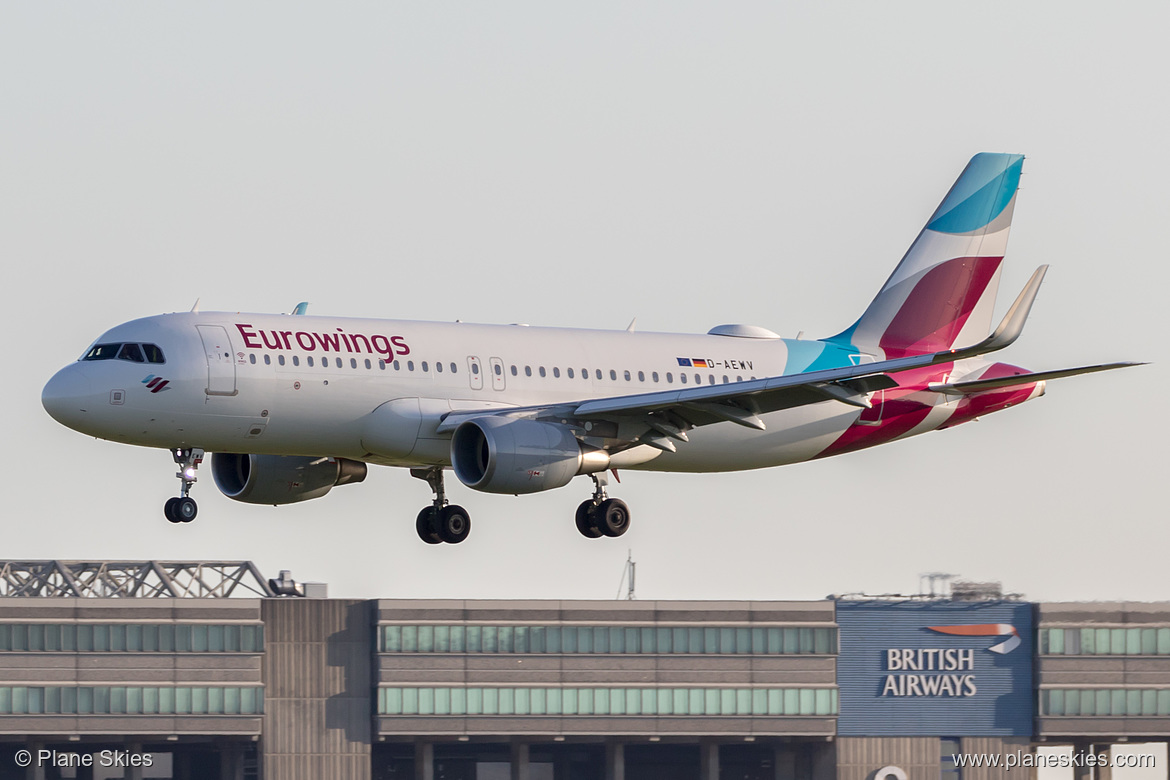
[307, 385]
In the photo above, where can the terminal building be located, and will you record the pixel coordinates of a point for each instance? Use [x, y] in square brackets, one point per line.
[203, 668]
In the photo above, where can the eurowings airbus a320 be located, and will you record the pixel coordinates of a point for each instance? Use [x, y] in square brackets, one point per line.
[293, 406]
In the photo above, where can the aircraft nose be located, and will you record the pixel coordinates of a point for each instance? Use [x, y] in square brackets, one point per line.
[68, 397]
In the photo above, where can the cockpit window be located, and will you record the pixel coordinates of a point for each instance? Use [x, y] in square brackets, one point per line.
[103, 352]
[131, 352]
[153, 353]
[135, 353]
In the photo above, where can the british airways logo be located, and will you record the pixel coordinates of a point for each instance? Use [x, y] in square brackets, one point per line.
[986, 629]
[156, 384]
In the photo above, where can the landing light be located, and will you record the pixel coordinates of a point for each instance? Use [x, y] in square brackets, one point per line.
[189, 474]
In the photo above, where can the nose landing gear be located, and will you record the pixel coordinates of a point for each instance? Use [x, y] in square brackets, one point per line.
[182, 508]
[440, 522]
[601, 516]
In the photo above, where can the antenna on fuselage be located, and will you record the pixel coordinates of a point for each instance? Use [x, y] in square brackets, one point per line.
[195, 308]
[633, 322]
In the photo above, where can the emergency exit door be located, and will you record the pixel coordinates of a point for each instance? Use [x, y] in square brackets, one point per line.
[221, 367]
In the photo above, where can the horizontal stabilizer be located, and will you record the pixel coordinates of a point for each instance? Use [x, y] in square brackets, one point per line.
[978, 385]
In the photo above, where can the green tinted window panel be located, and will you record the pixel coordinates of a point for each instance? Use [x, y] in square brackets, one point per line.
[605, 640]
[131, 700]
[1097, 702]
[509, 701]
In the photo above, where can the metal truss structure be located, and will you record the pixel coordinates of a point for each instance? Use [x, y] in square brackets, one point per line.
[132, 579]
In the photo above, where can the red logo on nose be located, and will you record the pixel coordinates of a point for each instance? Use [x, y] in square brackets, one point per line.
[156, 384]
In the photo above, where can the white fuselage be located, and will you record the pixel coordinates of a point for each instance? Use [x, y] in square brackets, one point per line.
[374, 390]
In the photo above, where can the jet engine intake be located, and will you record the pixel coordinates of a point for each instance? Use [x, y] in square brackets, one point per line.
[281, 479]
[501, 455]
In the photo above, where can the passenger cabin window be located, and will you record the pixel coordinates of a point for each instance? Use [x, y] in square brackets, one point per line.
[309, 362]
[627, 376]
[542, 374]
[454, 369]
[296, 360]
[682, 378]
[280, 359]
[599, 373]
[669, 378]
[252, 359]
[268, 360]
[556, 372]
[410, 365]
[654, 376]
[368, 363]
[424, 367]
[514, 371]
[613, 374]
[641, 376]
[353, 363]
[439, 367]
[570, 373]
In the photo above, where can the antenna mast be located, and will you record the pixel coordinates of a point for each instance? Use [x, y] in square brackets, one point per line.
[628, 572]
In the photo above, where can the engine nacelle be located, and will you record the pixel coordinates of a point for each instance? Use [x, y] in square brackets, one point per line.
[280, 479]
[498, 455]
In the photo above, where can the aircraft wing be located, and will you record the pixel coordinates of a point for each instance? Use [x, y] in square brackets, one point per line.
[655, 418]
[977, 385]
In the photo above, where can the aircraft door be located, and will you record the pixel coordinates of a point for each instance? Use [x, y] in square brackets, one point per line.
[497, 373]
[221, 368]
[474, 372]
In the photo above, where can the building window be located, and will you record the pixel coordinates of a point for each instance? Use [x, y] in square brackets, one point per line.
[130, 700]
[1105, 702]
[702, 702]
[597, 640]
[1104, 641]
[131, 638]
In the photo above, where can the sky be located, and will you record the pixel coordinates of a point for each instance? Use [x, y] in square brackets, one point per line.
[688, 164]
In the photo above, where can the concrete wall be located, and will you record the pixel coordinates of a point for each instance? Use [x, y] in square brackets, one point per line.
[317, 707]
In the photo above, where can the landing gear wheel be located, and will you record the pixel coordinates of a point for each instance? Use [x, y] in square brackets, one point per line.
[454, 524]
[186, 509]
[613, 517]
[586, 524]
[426, 526]
[180, 509]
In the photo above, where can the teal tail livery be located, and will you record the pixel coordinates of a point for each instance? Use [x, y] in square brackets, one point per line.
[943, 291]
[293, 406]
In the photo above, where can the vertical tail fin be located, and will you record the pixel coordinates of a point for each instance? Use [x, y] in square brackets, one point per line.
[943, 291]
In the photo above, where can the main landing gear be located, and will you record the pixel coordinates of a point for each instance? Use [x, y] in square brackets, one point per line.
[601, 516]
[182, 508]
[440, 522]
